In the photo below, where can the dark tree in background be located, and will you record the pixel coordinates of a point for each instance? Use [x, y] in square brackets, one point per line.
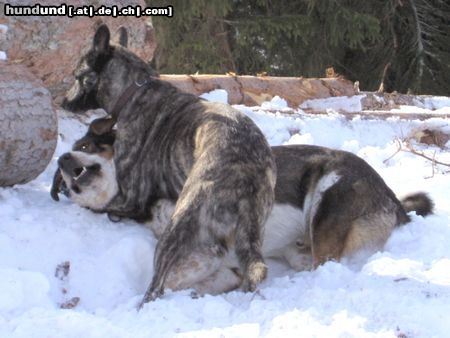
[402, 44]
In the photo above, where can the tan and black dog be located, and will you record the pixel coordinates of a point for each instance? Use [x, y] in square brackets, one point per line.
[211, 160]
[329, 204]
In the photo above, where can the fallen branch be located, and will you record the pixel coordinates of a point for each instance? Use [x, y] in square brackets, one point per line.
[399, 148]
[410, 149]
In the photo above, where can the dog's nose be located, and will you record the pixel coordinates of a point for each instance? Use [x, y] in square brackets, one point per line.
[65, 161]
[65, 157]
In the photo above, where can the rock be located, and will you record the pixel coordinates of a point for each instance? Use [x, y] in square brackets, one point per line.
[28, 125]
[51, 45]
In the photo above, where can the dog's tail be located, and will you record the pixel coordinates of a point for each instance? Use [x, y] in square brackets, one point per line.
[419, 202]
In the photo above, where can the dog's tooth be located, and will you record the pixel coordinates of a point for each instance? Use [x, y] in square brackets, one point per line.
[76, 178]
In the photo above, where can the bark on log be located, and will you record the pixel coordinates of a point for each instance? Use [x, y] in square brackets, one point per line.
[253, 90]
[28, 125]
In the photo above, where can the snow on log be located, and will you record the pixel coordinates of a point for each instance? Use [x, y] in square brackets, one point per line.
[28, 125]
[253, 90]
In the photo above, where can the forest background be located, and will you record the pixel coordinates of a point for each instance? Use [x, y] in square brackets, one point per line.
[400, 45]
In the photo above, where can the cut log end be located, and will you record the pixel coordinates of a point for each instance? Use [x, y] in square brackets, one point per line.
[28, 126]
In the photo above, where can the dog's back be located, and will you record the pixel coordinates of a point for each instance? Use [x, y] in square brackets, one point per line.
[348, 206]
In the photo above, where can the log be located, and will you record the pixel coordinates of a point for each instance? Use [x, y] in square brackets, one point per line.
[28, 125]
[383, 115]
[363, 114]
[254, 90]
[374, 105]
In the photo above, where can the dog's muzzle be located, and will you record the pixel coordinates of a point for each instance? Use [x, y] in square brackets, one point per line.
[77, 172]
[71, 166]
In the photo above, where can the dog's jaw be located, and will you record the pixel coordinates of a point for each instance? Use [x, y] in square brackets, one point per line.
[101, 191]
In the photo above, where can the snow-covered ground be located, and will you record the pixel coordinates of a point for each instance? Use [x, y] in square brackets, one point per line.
[403, 291]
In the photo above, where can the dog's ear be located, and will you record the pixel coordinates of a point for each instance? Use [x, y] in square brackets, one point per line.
[101, 126]
[121, 37]
[101, 40]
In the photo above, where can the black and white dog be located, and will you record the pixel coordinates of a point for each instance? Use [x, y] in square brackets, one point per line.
[329, 204]
[209, 159]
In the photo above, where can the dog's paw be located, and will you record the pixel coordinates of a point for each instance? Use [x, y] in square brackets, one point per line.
[150, 296]
[256, 273]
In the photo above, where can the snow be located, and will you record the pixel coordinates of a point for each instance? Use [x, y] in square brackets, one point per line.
[402, 290]
[338, 103]
[435, 102]
[275, 103]
[217, 95]
[3, 55]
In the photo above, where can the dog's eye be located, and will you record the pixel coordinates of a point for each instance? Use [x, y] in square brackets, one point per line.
[81, 147]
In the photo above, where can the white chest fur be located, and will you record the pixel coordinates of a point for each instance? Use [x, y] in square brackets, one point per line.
[284, 226]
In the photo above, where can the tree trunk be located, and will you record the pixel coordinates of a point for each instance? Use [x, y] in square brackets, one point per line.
[28, 125]
[253, 90]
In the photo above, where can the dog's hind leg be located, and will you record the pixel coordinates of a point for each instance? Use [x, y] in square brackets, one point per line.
[248, 246]
[336, 238]
[223, 280]
[184, 272]
[194, 268]
[328, 235]
[167, 253]
[181, 259]
[368, 234]
[174, 246]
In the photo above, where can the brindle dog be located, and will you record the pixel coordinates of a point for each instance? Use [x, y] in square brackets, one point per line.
[208, 158]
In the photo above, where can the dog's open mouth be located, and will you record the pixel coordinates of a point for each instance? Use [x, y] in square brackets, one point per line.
[82, 176]
[79, 173]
